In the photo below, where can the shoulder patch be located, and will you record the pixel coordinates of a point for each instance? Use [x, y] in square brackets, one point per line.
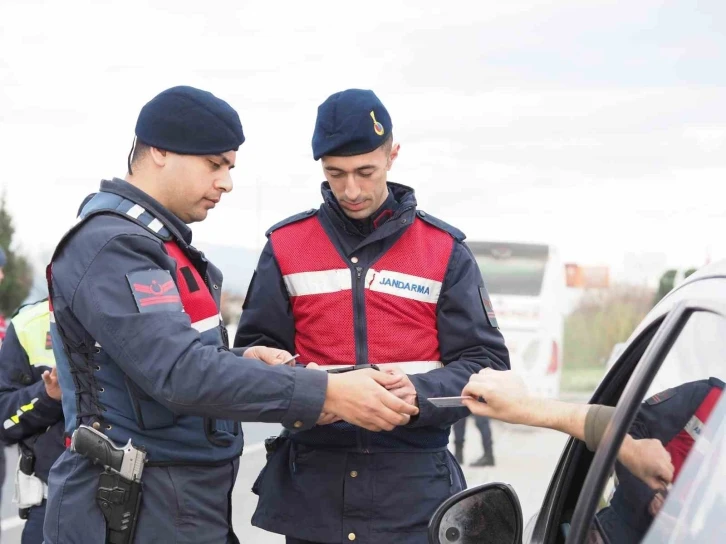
[660, 397]
[439, 224]
[294, 219]
[488, 308]
[154, 291]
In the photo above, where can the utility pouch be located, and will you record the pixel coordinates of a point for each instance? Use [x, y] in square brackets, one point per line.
[274, 443]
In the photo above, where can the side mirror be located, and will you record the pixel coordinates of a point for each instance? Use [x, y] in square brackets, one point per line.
[486, 514]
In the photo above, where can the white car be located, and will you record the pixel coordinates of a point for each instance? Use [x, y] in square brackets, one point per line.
[666, 384]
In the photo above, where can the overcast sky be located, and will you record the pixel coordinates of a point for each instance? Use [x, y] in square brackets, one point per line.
[599, 126]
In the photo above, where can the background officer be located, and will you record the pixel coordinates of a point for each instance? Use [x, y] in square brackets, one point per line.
[367, 278]
[3, 330]
[482, 424]
[31, 411]
[141, 351]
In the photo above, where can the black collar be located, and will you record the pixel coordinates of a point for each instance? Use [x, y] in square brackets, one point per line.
[400, 198]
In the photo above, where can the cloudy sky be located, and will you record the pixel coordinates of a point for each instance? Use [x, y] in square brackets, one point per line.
[599, 126]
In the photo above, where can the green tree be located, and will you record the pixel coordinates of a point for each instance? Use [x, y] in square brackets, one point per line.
[667, 282]
[18, 273]
[602, 319]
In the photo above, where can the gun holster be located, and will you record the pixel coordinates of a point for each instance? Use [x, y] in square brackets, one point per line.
[26, 463]
[119, 500]
[274, 443]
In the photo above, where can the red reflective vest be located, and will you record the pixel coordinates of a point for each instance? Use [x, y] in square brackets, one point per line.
[397, 296]
[196, 299]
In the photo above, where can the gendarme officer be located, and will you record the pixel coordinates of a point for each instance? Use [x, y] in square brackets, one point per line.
[368, 279]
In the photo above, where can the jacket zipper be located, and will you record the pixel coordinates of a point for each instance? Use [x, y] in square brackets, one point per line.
[359, 317]
[361, 338]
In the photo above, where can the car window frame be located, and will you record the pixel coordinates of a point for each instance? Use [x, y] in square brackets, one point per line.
[627, 408]
[576, 458]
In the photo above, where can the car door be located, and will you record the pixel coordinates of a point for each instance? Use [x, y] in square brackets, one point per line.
[671, 397]
[679, 344]
[553, 520]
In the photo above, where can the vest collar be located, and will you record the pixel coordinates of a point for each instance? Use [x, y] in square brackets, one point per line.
[400, 199]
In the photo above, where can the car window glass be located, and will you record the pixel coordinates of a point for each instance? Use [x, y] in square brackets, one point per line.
[679, 406]
[694, 511]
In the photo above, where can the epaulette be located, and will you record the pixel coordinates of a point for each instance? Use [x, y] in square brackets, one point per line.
[292, 219]
[661, 397]
[439, 224]
[111, 203]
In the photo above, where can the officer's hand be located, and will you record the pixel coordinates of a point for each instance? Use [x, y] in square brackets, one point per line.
[271, 356]
[648, 460]
[325, 418]
[361, 398]
[505, 396]
[404, 389]
[50, 379]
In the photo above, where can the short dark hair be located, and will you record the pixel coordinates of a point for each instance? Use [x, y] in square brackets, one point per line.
[387, 144]
[138, 151]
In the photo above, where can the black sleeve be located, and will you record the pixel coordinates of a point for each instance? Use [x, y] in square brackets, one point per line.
[162, 353]
[25, 407]
[266, 318]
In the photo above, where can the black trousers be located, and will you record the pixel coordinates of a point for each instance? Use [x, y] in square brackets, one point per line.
[482, 423]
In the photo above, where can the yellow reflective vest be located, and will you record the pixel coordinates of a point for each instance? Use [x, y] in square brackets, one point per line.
[32, 326]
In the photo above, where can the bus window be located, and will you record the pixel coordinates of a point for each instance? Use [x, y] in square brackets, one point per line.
[526, 283]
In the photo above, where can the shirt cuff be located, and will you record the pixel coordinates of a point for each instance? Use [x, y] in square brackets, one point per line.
[49, 404]
[307, 400]
[596, 421]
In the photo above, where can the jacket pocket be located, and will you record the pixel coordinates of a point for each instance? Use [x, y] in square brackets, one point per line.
[221, 432]
[407, 490]
[148, 413]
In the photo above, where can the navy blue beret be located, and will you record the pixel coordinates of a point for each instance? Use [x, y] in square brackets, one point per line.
[351, 122]
[189, 121]
[3, 258]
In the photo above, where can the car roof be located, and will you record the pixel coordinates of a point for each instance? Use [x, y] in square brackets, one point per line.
[712, 270]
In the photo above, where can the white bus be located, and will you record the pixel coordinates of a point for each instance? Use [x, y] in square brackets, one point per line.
[526, 283]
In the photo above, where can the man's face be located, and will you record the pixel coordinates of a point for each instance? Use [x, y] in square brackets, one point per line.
[359, 182]
[193, 184]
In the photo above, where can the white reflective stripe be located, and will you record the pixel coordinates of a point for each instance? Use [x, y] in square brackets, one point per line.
[318, 283]
[207, 324]
[408, 367]
[694, 427]
[403, 285]
[156, 225]
[98, 345]
[135, 211]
